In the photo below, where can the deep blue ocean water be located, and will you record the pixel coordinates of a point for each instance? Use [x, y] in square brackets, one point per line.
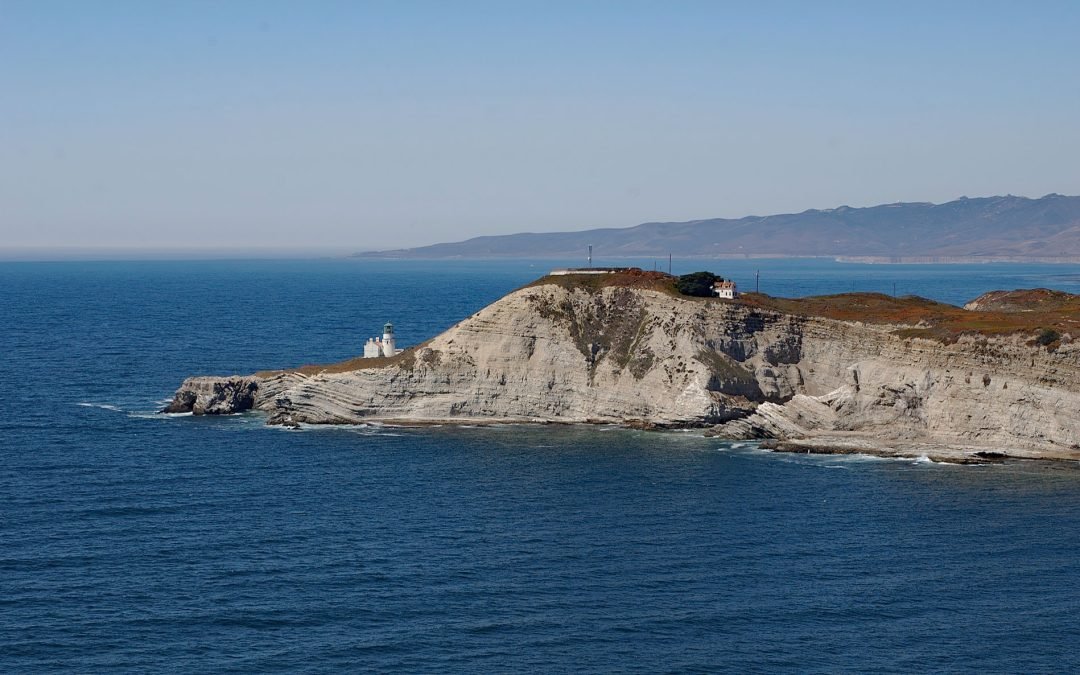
[131, 541]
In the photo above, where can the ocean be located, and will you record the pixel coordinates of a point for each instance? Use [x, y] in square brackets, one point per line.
[137, 542]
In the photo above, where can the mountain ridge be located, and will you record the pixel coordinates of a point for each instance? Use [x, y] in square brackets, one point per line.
[1001, 227]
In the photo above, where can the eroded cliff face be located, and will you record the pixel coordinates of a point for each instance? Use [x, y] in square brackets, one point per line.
[215, 395]
[549, 353]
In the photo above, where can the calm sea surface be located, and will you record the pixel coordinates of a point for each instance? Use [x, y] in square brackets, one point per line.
[131, 541]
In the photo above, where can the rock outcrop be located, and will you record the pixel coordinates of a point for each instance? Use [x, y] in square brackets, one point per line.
[215, 395]
[559, 352]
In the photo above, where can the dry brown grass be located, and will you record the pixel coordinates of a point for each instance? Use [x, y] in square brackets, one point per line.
[1024, 312]
[633, 278]
[925, 318]
[1029, 300]
[406, 359]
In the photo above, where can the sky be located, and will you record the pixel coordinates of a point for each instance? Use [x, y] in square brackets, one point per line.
[351, 126]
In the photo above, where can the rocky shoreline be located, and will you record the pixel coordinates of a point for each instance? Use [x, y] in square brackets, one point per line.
[630, 352]
[939, 454]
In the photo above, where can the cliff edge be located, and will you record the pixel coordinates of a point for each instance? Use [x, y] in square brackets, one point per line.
[849, 373]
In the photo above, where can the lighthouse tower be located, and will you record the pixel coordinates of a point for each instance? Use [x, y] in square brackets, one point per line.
[388, 347]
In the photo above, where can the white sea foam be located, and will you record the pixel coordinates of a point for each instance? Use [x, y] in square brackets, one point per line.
[101, 406]
[154, 415]
[740, 447]
[304, 426]
[363, 429]
[861, 457]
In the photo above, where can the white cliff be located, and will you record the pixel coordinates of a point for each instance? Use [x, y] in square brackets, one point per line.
[560, 352]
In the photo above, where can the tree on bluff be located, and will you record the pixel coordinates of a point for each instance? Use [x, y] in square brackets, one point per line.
[699, 284]
[1047, 337]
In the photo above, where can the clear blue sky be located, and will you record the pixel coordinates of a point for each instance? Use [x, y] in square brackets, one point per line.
[358, 125]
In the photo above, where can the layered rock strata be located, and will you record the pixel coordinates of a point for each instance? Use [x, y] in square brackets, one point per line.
[642, 357]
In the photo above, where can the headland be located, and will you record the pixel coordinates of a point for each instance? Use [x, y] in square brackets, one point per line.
[857, 372]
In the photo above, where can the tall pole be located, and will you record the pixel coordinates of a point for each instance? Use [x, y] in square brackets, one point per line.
[757, 281]
[669, 263]
[590, 255]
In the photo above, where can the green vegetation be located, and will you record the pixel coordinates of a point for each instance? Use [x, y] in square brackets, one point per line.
[641, 363]
[697, 284]
[604, 327]
[1048, 336]
[726, 371]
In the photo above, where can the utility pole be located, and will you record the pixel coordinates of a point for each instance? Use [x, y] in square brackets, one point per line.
[669, 263]
[757, 281]
[894, 289]
[590, 255]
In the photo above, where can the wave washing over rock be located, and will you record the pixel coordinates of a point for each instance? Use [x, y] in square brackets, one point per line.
[835, 375]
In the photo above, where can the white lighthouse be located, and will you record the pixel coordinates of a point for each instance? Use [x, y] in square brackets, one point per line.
[376, 347]
[388, 347]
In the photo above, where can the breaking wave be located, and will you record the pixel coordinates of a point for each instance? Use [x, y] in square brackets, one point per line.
[101, 406]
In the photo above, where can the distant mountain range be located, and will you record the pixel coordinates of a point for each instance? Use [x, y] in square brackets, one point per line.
[987, 228]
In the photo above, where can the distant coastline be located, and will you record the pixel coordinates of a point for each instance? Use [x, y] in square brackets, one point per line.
[957, 260]
[46, 255]
[868, 259]
[985, 229]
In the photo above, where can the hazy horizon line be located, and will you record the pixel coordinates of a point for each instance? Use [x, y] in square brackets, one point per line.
[106, 253]
[134, 253]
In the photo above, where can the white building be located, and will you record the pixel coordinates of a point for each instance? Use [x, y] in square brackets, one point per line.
[725, 289]
[388, 346]
[372, 348]
[384, 346]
